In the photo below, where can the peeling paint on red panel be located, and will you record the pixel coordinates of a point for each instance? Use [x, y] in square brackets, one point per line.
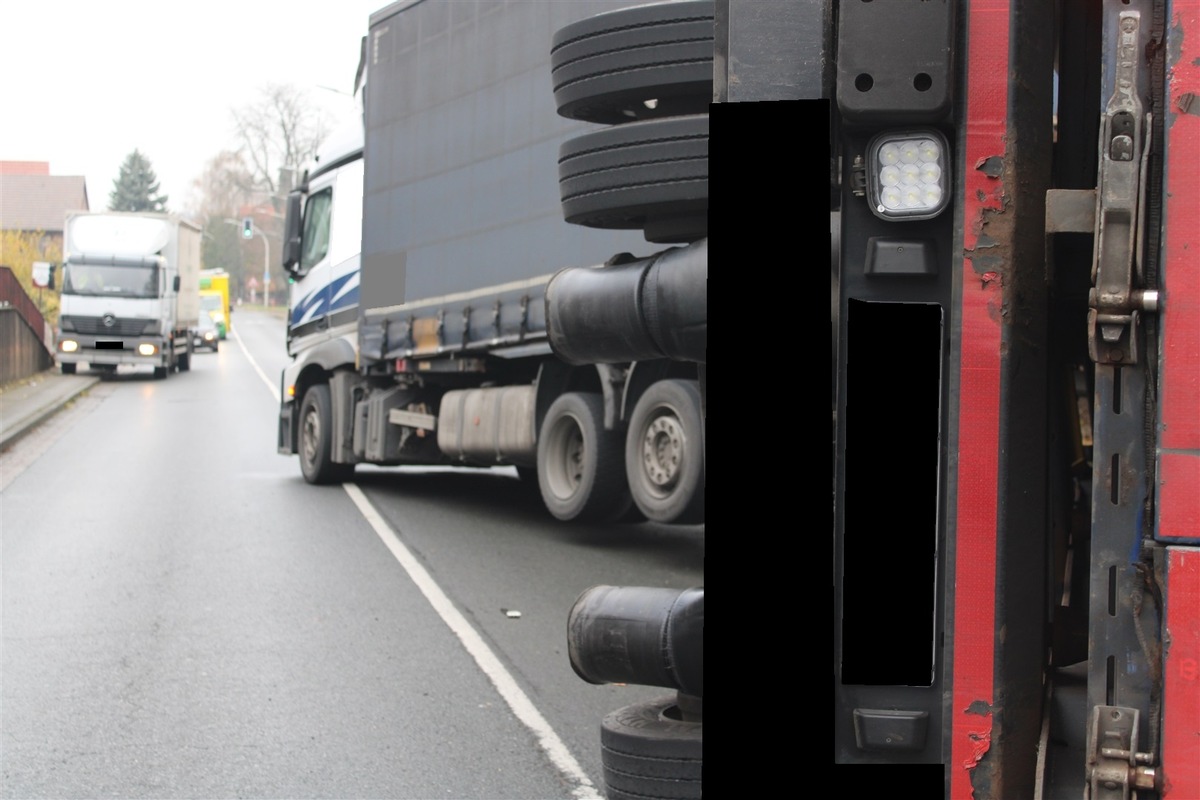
[981, 740]
[976, 499]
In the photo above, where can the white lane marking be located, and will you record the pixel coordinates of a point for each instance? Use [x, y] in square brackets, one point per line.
[484, 657]
[517, 700]
[274, 389]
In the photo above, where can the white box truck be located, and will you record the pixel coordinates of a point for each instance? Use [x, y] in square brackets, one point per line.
[130, 291]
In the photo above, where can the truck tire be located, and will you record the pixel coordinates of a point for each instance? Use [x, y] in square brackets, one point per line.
[647, 751]
[69, 369]
[650, 175]
[664, 453]
[579, 466]
[643, 62]
[316, 439]
[185, 361]
[161, 372]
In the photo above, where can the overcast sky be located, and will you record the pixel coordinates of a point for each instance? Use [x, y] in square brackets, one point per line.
[83, 83]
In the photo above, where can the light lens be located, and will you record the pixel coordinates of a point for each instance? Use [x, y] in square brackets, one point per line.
[69, 345]
[907, 173]
[147, 349]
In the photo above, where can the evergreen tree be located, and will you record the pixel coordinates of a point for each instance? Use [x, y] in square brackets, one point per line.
[136, 187]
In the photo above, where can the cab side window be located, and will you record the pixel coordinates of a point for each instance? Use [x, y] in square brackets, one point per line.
[316, 228]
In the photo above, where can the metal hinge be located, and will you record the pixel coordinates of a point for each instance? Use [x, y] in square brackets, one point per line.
[1115, 768]
[858, 177]
[1115, 303]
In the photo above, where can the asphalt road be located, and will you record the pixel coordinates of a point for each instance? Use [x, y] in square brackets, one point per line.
[183, 616]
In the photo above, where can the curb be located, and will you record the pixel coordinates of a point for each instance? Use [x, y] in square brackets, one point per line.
[10, 436]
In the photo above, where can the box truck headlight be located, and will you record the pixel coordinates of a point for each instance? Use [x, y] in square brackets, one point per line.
[147, 349]
[907, 175]
[69, 345]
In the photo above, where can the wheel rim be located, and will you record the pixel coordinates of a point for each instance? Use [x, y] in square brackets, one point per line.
[566, 471]
[662, 451]
[312, 434]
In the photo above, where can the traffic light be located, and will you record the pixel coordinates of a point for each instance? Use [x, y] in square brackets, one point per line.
[247, 228]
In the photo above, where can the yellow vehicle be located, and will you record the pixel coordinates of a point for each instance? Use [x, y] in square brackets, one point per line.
[214, 298]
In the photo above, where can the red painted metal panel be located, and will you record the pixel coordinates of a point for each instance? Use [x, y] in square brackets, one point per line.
[1179, 453]
[1181, 677]
[979, 399]
[1179, 443]
[1179, 496]
[1181, 278]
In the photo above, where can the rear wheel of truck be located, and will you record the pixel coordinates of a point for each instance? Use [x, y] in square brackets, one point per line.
[648, 751]
[580, 470]
[316, 439]
[644, 62]
[664, 453]
[69, 369]
[650, 175]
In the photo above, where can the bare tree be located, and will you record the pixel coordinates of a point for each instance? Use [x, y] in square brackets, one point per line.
[274, 137]
[225, 186]
[220, 194]
[279, 132]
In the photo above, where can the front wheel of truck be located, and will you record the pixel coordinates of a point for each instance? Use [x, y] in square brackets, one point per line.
[69, 369]
[579, 465]
[316, 439]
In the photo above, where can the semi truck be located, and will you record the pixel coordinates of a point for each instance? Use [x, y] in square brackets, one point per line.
[130, 292]
[1015, 471]
[420, 246]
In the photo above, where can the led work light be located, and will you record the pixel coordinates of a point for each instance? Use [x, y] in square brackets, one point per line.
[907, 175]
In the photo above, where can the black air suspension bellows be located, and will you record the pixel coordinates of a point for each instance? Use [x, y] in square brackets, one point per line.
[638, 634]
[632, 309]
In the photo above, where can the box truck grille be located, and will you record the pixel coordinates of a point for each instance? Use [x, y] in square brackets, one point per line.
[121, 326]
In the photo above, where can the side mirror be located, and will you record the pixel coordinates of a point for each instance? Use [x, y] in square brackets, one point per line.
[293, 222]
[176, 283]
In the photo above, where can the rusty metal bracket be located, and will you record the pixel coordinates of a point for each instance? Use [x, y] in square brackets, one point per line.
[1116, 770]
[1115, 301]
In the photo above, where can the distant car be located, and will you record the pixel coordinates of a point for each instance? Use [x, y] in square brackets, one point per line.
[205, 335]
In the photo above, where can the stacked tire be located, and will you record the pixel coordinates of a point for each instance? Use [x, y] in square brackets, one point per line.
[651, 750]
[646, 74]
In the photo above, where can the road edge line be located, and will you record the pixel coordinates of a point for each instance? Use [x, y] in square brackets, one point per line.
[517, 700]
[274, 389]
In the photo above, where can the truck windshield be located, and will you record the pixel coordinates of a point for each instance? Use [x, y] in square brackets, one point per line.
[110, 281]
